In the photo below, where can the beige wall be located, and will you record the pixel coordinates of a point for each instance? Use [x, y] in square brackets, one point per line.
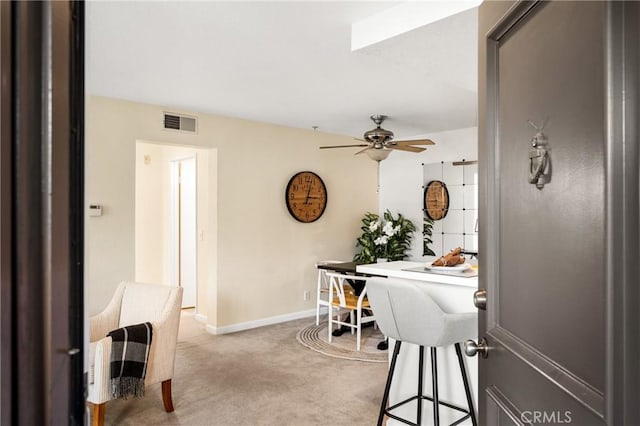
[151, 215]
[263, 259]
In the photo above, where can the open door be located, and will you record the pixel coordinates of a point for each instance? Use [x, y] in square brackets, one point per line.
[559, 213]
[184, 244]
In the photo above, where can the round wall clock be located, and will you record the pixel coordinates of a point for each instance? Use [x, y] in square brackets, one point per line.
[306, 196]
[436, 200]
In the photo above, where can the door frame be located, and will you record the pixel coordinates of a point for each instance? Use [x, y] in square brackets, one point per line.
[622, 299]
[622, 213]
[41, 192]
[6, 220]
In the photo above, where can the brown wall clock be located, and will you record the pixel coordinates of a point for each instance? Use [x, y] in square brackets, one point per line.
[306, 196]
[436, 200]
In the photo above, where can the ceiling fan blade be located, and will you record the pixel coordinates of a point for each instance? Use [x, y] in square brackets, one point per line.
[341, 146]
[406, 148]
[363, 150]
[360, 139]
[415, 142]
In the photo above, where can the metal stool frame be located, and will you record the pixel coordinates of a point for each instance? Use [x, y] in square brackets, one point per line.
[469, 412]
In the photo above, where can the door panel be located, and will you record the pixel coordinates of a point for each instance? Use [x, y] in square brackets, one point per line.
[560, 264]
[551, 240]
[543, 248]
[525, 390]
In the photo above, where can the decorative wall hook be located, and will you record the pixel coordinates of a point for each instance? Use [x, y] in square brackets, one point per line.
[539, 158]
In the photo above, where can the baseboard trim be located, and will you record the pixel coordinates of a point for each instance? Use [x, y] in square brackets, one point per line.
[200, 318]
[261, 322]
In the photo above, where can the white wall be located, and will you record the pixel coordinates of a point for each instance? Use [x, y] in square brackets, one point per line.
[401, 176]
[263, 260]
[458, 227]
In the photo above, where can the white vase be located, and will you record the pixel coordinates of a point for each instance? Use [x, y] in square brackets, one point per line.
[382, 260]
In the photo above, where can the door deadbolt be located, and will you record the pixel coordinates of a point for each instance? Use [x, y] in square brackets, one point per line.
[480, 299]
[472, 348]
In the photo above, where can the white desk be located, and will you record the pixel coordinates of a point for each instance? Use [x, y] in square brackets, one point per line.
[453, 294]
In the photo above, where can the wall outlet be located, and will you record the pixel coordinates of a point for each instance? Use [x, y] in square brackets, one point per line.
[306, 295]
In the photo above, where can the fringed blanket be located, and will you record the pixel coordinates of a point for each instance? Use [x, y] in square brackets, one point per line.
[129, 356]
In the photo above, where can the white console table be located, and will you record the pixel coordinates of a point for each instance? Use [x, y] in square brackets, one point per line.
[453, 294]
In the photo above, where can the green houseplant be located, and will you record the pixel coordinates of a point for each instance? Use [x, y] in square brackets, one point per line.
[389, 238]
[427, 230]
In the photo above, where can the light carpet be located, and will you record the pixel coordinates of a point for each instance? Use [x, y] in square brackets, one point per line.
[257, 377]
[316, 338]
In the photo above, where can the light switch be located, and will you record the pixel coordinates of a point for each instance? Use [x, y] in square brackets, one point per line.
[95, 210]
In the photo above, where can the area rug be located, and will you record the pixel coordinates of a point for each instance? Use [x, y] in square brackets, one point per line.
[316, 338]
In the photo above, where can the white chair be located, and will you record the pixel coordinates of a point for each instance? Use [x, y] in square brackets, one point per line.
[322, 291]
[135, 303]
[405, 312]
[344, 299]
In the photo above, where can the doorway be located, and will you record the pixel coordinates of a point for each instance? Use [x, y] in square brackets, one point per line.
[183, 220]
[172, 219]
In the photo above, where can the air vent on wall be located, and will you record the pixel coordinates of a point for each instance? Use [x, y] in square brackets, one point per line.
[181, 123]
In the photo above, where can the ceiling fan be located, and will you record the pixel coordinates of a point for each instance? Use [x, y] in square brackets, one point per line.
[380, 143]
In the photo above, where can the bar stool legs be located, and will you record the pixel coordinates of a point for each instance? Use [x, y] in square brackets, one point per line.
[465, 380]
[420, 375]
[385, 397]
[419, 397]
[434, 377]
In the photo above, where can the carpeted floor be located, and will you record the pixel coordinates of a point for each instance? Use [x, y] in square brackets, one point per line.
[257, 377]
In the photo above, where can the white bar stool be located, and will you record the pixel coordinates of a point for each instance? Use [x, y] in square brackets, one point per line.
[405, 312]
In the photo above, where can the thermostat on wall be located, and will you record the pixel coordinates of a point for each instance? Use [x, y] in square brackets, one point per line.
[95, 210]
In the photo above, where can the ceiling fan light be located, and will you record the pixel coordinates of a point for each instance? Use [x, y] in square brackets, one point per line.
[378, 154]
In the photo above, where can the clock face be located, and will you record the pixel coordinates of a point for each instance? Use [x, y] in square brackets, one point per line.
[436, 200]
[306, 196]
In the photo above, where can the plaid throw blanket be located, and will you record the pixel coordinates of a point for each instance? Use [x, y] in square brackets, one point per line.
[129, 356]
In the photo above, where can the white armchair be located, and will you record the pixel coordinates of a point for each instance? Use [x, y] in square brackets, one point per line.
[135, 303]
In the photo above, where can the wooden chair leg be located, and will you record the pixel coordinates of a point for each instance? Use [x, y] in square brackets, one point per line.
[166, 396]
[98, 414]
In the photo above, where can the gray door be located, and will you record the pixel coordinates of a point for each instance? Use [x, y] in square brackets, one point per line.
[546, 234]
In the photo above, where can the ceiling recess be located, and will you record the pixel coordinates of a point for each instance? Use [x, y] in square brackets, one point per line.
[182, 123]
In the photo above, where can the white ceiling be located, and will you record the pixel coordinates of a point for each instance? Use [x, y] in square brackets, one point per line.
[288, 63]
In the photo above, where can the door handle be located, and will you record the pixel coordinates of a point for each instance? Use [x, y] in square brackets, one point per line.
[70, 351]
[472, 348]
[480, 299]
